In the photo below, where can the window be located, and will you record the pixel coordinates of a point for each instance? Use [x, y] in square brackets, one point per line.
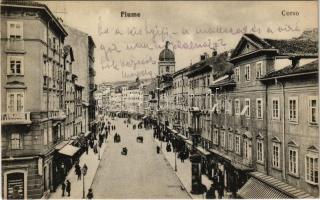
[223, 138]
[260, 153]
[230, 141]
[237, 106]
[293, 109]
[247, 72]
[247, 149]
[45, 136]
[276, 155]
[311, 168]
[275, 109]
[16, 142]
[313, 110]
[247, 104]
[228, 106]
[50, 135]
[15, 30]
[15, 65]
[259, 108]
[216, 136]
[293, 161]
[258, 70]
[15, 102]
[237, 74]
[237, 144]
[167, 69]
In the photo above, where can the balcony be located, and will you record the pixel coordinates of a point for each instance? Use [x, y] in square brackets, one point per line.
[15, 118]
[57, 115]
[15, 46]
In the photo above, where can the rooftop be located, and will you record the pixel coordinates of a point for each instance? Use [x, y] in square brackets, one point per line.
[289, 70]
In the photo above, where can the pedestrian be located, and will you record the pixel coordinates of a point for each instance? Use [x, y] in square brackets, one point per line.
[85, 167]
[78, 171]
[87, 146]
[63, 188]
[90, 194]
[158, 149]
[211, 193]
[68, 187]
[95, 148]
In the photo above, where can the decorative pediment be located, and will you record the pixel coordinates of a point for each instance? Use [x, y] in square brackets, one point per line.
[260, 136]
[249, 43]
[15, 85]
[313, 149]
[247, 134]
[275, 139]
[292, 143]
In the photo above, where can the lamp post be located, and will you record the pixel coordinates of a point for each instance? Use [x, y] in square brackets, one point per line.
[84, 172]
[175, 160]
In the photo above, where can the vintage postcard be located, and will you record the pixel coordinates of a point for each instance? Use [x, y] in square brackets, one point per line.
[159, 99]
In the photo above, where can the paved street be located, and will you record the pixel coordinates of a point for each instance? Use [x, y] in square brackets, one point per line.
[141, 174]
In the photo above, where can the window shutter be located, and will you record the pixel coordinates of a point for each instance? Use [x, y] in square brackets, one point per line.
[22, 65]
[8, 65]
[8, 29]
[20, 30]
[22, 102]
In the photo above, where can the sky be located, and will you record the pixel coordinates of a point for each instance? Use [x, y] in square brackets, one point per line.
[127, 47]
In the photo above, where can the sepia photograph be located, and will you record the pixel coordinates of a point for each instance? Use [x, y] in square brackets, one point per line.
[159, 99]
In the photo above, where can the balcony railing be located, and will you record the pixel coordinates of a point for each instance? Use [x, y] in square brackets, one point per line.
[15, 45]
[15, 118]
[59, 114]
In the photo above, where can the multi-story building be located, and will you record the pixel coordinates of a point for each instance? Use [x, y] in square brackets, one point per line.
[92, 85]
[180, 100]
[83, 52]
[255, 126]
[250, 115]
[32, 69]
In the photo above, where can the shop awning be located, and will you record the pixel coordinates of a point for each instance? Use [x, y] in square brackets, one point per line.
[61, 144]
[279, 186]
[255, 189]
[189, 142]
[69, 150]
[87, 133]
[219, 154]
[203, 151]
[182, 136]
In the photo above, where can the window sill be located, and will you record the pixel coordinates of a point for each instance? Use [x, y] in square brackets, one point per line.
[293, 122]
[275, 120]
[259, 119]
[15, 75]
[260, 162]
[313, 124]
[312, 183]
[294, 175]
[277, 168]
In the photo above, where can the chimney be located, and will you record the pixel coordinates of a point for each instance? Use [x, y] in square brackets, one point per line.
[214, 53]
[295, 62]
[204, 56]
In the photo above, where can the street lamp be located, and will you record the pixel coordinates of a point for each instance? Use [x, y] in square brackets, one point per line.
[175, 160]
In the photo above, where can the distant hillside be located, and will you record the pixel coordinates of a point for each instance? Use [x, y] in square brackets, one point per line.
[118, 83]
[309, 34]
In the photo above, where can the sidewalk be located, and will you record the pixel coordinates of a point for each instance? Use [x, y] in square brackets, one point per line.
[91, 160]
[184, 171]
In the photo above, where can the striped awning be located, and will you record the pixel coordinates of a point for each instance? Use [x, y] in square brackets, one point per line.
[69, 150]
[203, 151]
[255, 189]
[291, 191]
